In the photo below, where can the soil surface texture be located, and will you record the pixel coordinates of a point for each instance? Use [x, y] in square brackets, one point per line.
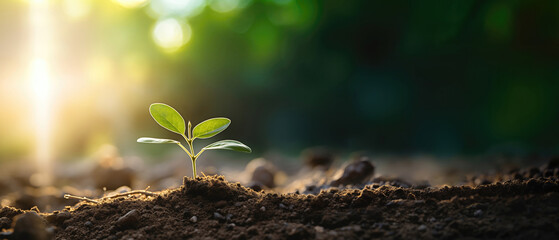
[517, 205]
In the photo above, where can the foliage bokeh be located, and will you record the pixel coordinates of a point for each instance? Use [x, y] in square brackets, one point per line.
[442, 77]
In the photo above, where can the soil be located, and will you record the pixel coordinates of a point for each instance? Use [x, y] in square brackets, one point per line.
[520, 204]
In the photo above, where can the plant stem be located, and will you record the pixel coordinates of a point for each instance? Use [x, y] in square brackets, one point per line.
[194, 167]
[193, 158]
[191, 148]
[186, 150]
[189, 130]
[185, 138]
[201, 151]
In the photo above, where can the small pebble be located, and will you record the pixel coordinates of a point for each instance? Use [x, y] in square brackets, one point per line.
[230, 226]
[439, 226]
[194, 219]
[319, 229]
[262, 174]
[263, 208]
[478, 213]
[88, 224]
[355, 173]
[378, 225]
[218, 216]
[129, 220]
[318, 157]
[422, 228]
[29, 226]
[355, 228]
[51, 230]
[221, 204]
[282, 206]
[333, 233]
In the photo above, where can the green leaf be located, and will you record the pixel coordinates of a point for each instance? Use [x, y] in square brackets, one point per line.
[167, 117]
[229, 145]
[156, 140]
[210, 127]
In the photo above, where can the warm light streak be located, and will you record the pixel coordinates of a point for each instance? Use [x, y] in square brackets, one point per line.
[41, 91]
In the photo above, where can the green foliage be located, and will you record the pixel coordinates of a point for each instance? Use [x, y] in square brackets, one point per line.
[169, 118]
[210, 127]
[228, 145]
[156, 140]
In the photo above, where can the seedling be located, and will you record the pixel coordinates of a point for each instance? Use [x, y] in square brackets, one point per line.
[170, 119]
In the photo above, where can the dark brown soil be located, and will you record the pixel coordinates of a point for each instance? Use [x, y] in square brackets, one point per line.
[213, 208]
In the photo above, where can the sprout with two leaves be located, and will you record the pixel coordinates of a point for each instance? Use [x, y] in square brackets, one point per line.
[170, 119]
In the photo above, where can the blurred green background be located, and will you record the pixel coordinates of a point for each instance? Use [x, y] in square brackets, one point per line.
[439, 77]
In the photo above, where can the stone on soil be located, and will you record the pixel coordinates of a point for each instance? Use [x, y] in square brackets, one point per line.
[129, 220]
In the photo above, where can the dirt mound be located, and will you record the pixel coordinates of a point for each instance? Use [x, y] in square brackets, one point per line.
[213, 208]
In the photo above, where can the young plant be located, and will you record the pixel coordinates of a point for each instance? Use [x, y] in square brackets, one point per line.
[170, 119]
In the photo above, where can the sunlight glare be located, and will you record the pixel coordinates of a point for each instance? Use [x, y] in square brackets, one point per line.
[40, 90]
[132, 3]
[136, 68]
[170, 35]
[99, 69]
[77, 9]
[40, 81]
[42, 106]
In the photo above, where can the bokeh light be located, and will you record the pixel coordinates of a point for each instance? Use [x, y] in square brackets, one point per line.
[170, 34]
[132, 3]
[223, 5]
[176, 8]
[463, 83]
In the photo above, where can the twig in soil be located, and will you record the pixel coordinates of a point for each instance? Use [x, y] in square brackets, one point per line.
[70, 196]
[144, 192]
